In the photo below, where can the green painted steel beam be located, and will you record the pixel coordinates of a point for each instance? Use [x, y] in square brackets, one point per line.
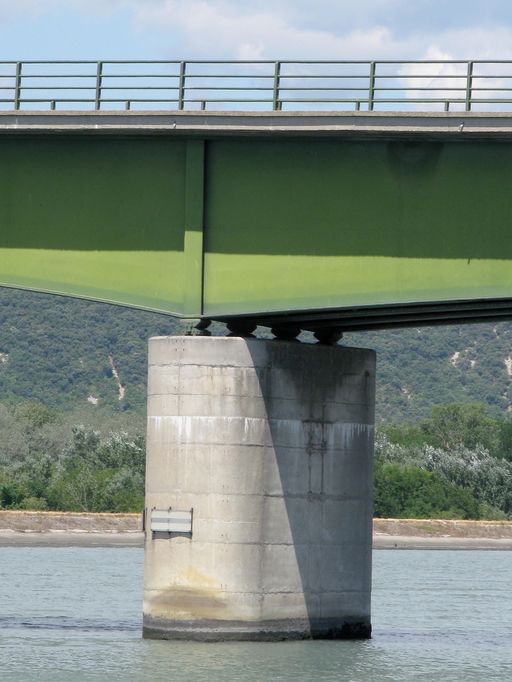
[299, 228]
[194, 225]
[336, 224]
[96, 218]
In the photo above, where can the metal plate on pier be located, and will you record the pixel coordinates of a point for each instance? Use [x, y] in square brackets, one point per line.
[171, 521]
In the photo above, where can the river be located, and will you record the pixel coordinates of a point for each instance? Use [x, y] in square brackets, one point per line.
[74, 614]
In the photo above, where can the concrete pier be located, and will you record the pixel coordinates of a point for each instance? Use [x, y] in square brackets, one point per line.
[266, 446]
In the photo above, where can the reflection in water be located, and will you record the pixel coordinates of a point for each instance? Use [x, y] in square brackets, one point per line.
[71, 614]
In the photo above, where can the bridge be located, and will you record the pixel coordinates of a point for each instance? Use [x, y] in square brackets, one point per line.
[318, 196]
[311, 219]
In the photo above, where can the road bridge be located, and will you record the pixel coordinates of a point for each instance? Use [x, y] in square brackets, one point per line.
[258, 492]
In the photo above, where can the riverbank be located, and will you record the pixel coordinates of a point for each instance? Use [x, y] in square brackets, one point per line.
[441, 534]
[65, 529]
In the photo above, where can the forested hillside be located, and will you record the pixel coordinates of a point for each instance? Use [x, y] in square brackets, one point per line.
[69, 354]
[72, 354]
[419, 368]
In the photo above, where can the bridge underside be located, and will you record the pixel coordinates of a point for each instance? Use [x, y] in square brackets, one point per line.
[328, 221]
[382, 317]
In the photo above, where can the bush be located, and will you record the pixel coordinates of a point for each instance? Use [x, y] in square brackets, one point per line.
[96, 474]
[89, 473]
[488, 478]
[409, 492]
[33, 504]
[11, 494]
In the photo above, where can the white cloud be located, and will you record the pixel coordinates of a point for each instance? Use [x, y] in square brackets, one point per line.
[267, 30]
[220, 28]
[449, 80]
[300, 29]
[210, 29]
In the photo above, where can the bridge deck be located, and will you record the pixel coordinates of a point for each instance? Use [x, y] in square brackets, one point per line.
[362, 125]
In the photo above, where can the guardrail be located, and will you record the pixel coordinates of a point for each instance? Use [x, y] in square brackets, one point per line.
[257, 85]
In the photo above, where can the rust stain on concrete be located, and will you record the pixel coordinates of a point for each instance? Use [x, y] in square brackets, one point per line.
[194, 595]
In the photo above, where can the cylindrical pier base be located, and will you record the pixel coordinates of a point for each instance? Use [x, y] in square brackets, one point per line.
[263, 450]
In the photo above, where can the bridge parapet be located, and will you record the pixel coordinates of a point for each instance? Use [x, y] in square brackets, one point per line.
[366, 85]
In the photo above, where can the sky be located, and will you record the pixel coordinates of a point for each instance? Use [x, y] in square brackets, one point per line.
[255, 29]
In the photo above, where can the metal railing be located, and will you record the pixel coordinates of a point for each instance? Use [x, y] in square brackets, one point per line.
[257, 85]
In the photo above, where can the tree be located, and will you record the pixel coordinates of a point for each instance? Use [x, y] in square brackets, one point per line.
[468, 425]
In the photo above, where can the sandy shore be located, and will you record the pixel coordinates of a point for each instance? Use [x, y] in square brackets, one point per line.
[59, 529]
[419, 542]
[441, 534]
[70, 529]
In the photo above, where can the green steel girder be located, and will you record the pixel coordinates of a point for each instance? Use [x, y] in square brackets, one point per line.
[308, 230]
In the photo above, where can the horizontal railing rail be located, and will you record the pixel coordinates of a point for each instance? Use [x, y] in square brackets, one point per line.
[476, 85]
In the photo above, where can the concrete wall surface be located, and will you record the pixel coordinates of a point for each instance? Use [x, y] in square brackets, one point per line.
[270, 443]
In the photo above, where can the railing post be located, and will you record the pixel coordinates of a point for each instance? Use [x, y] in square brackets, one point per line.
[469, 86]
[276, 104]
[371, 90]
[17, 86]
[181, 91]
[99, 79]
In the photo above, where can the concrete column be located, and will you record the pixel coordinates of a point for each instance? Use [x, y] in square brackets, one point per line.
[270, 443]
